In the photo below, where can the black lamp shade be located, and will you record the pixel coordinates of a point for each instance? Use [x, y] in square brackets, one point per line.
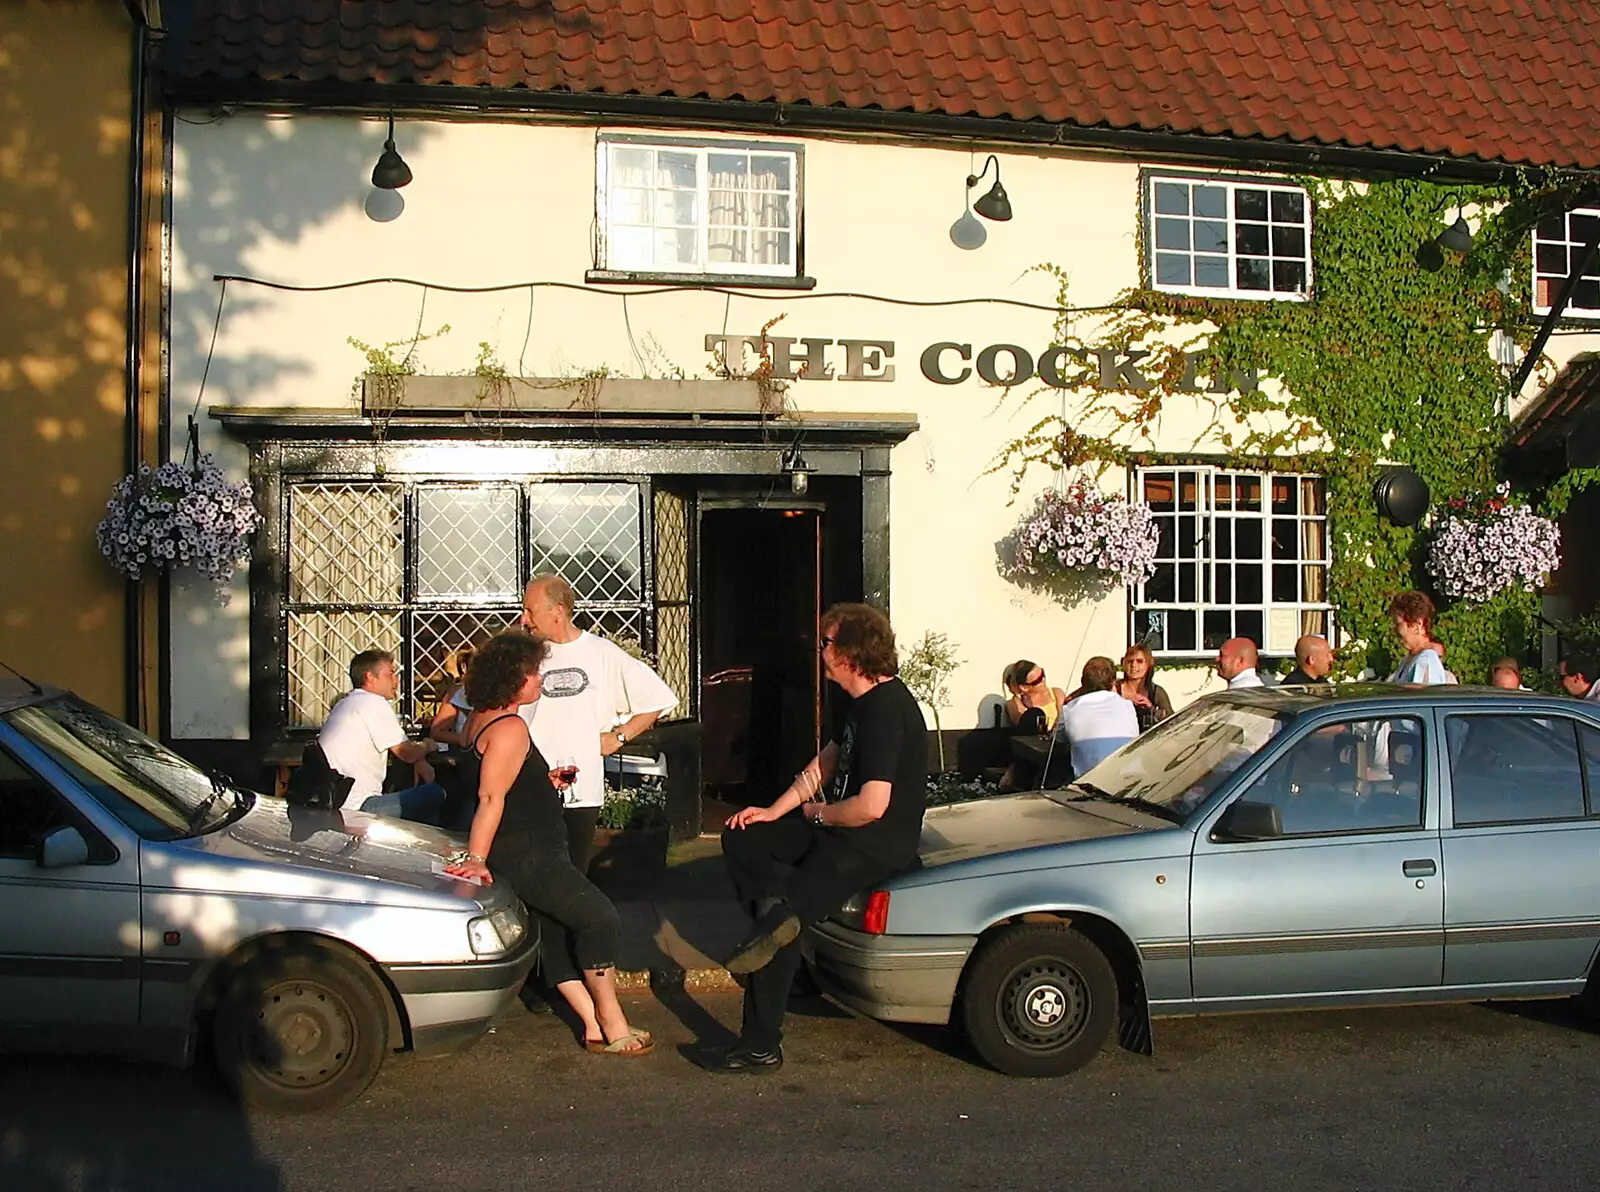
[994, 205]
[391, 172]
[1402, 496]
[1457, 237]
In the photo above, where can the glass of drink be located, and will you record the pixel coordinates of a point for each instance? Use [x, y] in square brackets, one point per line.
[564, 773]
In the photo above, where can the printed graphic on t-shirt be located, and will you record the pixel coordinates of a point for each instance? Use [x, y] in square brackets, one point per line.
[847, 751]
[565, 681]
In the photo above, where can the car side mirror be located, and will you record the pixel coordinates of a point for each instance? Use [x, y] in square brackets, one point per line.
[62, 849]
[1244, 820]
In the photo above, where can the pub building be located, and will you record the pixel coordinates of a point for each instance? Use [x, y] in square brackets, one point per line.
[725, 321]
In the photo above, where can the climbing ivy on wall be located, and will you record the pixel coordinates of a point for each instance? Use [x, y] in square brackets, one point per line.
[1387, 363]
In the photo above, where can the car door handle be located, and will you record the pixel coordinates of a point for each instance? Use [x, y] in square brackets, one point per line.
[1423, 868]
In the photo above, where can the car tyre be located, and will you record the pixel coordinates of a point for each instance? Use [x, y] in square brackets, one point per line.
[1039, 1000]
[300, 1030]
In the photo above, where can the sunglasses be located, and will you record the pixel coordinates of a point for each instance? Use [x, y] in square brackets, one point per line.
[824, 642]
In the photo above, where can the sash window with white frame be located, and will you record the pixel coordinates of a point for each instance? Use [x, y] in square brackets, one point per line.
[687, 206]
[1241, 554]
[1228, 237]
[1557, 241]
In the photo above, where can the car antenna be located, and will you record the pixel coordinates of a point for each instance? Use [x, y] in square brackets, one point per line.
[37, 690]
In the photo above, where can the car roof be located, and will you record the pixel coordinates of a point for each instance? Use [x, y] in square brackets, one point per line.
[1320, 697]
[18, 692]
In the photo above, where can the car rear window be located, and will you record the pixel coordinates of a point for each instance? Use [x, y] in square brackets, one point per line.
[1515, 769]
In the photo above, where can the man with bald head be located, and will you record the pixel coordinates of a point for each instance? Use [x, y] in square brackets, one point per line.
[1313, 658]
[1236, 662]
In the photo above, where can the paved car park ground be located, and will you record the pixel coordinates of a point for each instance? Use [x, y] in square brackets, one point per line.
[1461, 1097]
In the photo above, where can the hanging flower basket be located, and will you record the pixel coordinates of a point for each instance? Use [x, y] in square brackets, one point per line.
[1481, 549]
[1079, 543]
[173, 516]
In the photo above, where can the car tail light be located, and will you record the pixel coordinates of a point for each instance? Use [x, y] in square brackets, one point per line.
[875, 919]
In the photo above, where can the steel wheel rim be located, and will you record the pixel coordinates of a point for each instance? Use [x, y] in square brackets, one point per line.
[1044, 1005]
[302, 1036]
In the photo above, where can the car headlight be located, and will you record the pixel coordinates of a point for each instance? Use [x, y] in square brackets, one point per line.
[498, 932]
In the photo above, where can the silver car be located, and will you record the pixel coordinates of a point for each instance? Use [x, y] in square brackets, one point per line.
[1264, 850]
[147, 908]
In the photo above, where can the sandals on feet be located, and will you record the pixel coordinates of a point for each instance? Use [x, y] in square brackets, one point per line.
[620, 1046]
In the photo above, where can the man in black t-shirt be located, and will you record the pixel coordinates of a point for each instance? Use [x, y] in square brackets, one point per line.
[850, 819]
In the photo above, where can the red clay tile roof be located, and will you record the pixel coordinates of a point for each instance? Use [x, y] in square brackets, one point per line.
[1499, 80]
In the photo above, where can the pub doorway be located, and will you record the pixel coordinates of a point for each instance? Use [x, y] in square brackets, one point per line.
[760, 598]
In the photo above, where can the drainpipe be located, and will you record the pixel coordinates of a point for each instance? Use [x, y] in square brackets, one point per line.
[134, 651]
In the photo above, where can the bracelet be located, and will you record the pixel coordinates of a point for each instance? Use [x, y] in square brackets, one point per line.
[462, 856]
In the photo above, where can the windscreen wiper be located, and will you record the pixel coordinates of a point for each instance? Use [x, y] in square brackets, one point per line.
[1091, 791]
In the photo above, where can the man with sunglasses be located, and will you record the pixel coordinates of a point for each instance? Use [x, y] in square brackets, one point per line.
[850, 819]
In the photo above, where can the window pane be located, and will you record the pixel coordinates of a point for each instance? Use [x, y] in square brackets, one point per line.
[769, 248]
[1247, 585]
[1224, 582]
[1580, 226]
[1250, 239]
[1211, 272]
[1254, 274]
[1172, 233]
[1210, 235]
[726, 246]
[1285, 539]
[437, 638]
[1250, 204]
[1247, 623]
[677, 208]
[1590, 739]
[1247, 538]
[677, 246]
[1513, 769]
[1172, 270]
[320, 647]
[1249, 491]
[1211, 202]
[1160, 490]
[630, 248]
[29, 808]
[467, 543]
[1187, 587]
[1162, 587]
[1172, 198]
[345, 544]
[771, 172]
[1284, 495]
[630, 205]
[1311, 494]
[1180, 630]
[1288, 242]
[1218, 628]
[1285, 585]
[1288, 277]
[590, 535]
[1288, 207]
[1552, 227]
[1360, 776]
[632, 166]
[677, 170]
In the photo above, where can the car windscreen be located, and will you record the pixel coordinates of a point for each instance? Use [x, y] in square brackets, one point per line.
[1176, 766]
[143, 783]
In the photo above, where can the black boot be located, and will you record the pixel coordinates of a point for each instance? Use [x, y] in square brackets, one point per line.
[772, 932]
[739, 1060]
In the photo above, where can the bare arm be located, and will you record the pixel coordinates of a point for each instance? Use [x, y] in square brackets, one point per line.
[858, 810]
[505, 748]
[412, 752]
[808, 784]
[630, 728]
[442, 727]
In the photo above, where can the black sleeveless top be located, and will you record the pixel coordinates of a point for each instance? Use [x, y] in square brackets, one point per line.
[531, 820]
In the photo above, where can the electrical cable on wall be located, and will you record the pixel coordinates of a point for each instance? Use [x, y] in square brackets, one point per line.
[192, 447]
[650, 291]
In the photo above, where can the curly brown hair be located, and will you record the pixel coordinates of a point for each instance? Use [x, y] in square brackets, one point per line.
[500, 668]
[1414, 608]
[862, 637]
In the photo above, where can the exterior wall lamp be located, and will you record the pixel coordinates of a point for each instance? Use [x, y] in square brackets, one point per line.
[1456, 238]
[969, 233]
[391, 172]
[799, 472]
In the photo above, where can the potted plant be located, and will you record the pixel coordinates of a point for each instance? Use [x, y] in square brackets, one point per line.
[1079, 543]
[926, 669]
[176, 516]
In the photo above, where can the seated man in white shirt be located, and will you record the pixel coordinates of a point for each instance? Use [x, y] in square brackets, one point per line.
[1099, 722]
[1236, 662]
[362, 732]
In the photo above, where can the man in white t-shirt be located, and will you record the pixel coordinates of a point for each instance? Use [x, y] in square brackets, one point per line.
[362, 732]
[1099, 722]
[1236, 662]
[1580, 676]
[597, 697]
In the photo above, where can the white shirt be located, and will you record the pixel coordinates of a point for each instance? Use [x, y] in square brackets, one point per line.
[1245, 678]
[1097, 724]
[1425, 666]
[1593, 693]
[357, 737]
[590, 686]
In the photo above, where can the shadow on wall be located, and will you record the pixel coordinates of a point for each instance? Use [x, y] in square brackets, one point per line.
[63, 251]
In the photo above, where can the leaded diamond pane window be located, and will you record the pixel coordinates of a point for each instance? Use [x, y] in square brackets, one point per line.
[467, 543]
[346, 543]
[589, 534]
[321, 645]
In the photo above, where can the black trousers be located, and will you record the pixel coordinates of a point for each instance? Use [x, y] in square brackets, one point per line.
[579, 927]
[813, 870]
[580, 823]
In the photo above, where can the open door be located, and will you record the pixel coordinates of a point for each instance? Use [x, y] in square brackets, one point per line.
[760, 598]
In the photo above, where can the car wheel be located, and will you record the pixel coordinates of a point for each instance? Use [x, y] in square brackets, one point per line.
[300, 1030]
[1039, 1000]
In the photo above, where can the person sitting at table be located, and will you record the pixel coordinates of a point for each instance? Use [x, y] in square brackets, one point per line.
[1138, 686]
[1099, 722]
[450, 717]
[1032, 710]
[362, 733]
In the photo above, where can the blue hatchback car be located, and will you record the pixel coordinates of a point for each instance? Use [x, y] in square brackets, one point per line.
[1285, 848]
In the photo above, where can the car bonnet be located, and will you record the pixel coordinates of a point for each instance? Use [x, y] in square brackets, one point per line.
[1008, 823]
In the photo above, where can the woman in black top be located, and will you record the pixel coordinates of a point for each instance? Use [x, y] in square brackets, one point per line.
[1138, 685]
[518, 835]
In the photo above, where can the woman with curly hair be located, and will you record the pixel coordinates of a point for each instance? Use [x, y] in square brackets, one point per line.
[1411, 614]
[518, 835]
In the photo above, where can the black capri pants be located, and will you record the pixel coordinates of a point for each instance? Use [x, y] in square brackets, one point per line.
[579, 927]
